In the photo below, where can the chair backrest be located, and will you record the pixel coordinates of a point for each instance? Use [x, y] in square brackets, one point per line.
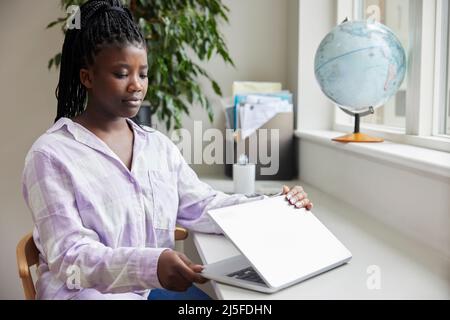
[28, 256]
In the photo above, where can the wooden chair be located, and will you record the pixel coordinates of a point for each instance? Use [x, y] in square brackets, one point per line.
[28, 256]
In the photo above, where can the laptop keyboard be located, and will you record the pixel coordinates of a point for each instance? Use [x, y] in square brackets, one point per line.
[248, 274]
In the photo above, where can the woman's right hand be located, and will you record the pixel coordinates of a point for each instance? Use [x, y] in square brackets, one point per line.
[176, 272]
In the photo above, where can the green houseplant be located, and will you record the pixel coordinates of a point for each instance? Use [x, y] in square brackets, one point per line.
[170, 27]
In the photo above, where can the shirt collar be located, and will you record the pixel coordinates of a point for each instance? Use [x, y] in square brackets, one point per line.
[140, 130]
[69, 123]
[86, 137]
[58, 124]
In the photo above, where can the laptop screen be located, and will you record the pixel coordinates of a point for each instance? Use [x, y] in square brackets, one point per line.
[283, 243]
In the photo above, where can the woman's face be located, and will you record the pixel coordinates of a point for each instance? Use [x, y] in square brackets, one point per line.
[117, 81]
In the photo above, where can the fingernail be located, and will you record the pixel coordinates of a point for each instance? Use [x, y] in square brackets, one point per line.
[298, 204]
[289, 195]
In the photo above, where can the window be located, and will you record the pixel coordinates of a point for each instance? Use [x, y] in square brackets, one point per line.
[448, 85]
[395, 15]
[442, 79]
[419, 113]
[446, 119]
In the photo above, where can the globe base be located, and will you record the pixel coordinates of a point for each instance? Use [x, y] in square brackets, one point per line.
[357, 137]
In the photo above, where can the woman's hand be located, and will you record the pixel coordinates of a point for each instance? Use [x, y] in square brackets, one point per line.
[297, 197]
[176, 272]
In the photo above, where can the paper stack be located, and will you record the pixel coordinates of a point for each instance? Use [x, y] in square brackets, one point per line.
[253, 104]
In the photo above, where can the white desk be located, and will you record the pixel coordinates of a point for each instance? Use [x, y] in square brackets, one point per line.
[408, 270]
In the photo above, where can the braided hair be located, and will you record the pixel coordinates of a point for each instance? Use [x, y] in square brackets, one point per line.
[103, 22]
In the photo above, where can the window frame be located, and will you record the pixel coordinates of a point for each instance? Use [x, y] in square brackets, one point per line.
[442, 75]
[424, 107]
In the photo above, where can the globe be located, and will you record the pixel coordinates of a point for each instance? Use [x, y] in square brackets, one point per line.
[360, 64]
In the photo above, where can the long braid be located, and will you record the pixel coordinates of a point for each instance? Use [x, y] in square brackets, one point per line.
[102, 22]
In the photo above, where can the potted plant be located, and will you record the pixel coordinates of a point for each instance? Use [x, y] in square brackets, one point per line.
[170, 27]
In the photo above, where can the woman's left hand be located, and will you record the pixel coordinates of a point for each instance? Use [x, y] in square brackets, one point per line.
[297, 197]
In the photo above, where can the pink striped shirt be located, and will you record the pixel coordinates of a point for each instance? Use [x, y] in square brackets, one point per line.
[101, 225]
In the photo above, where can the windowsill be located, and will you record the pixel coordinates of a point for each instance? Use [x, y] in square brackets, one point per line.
[397, 135]
[412, 157]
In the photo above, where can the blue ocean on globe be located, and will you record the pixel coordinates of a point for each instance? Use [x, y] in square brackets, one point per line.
[360, 64]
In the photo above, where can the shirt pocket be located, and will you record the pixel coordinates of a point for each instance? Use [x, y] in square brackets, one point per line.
[165, 198]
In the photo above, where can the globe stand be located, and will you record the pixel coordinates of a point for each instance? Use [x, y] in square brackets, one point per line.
[357, 136]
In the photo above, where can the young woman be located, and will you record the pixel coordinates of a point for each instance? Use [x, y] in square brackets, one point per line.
[104, 193]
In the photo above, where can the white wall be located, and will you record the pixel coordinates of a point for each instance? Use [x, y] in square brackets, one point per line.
[292, 51]
[256, 36]
[28, 108]
[316, 18]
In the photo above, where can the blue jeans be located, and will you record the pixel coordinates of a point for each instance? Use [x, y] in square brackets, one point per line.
[192, 293]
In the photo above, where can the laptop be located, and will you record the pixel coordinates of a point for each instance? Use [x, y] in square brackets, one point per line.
[279, 245]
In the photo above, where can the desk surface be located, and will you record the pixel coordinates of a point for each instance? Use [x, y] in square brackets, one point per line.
[407, 269]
